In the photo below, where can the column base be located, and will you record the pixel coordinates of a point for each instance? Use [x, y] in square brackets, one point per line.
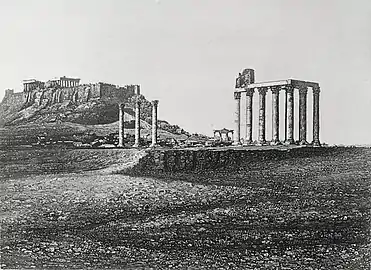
[236, 143]
[136, 145]
[261, 143]
[303, 142]
[316, 144]
[276, 142]
[289, 142]
[247, 143]
[121, 146]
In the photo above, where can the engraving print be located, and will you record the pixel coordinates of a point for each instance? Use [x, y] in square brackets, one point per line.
[184, 134]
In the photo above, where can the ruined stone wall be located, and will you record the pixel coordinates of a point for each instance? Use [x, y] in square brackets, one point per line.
[12, 99]
[163, 162]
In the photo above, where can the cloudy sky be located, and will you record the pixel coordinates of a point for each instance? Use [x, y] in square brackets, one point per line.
[187, 53]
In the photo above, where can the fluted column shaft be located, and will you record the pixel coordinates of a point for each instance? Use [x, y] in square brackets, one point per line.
[262, 98]
[303, 115]
[290, 114]
[316, 141]
[137, 122]
[249, 99]
[237, 134]
[121, 125]
[154, 122]
[275, 115]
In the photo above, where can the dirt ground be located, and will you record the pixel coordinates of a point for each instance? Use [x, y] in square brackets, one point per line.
[64, 209]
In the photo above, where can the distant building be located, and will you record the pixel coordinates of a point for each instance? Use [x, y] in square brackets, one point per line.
[32, 84]
[223, 134]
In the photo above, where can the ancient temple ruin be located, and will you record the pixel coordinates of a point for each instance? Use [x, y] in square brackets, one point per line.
[245, 83]
[137, 142]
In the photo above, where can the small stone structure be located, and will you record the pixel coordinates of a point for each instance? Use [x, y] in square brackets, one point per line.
[222, 132]
[245, 83]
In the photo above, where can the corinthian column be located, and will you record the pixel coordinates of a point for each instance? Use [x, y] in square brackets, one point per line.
[121, 125]
[249, 98]
[303, 115]
[290, 115]
[137, 122]
[275, 115]
[237, 134]
[154, 123]
[262, 96]
[316, 91]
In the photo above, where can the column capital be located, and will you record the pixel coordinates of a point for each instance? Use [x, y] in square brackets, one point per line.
[154, 103]
[316, 90]
[289, 89]
[138, 99]
[263, 90]
[303, 90]
[121, 105]
[250, 92]
[237, 95]
[275, 89]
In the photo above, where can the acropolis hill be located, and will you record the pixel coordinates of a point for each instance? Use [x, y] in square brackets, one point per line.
[64, 99]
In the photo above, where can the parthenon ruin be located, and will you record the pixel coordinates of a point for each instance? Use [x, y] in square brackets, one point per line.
[245, 83]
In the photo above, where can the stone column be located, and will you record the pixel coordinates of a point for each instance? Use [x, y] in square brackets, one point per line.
[249, 99]
[290, 115]
[262, 96]
[154, 122]
[237, 137]
[275, 115]
[285, 117]
[121, 125]
[316, 141]
[303, 115]
[137, 122]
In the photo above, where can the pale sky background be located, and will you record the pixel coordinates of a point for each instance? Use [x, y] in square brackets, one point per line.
[187, 53]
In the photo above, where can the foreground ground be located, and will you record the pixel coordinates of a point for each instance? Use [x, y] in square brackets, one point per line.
[65, 209]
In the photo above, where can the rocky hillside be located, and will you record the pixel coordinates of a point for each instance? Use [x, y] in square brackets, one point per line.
[89, 104]
[68, 111]
[80, 105]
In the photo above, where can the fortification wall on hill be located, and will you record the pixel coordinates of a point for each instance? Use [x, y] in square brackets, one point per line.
[12, 99]
[77, 94]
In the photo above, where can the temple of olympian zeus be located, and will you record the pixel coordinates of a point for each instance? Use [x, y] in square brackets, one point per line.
[245, 83]
[137, 121]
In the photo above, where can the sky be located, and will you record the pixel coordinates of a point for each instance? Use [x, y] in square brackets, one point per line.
[187, 54]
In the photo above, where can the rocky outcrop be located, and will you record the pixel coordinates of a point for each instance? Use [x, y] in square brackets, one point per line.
[84, 104]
